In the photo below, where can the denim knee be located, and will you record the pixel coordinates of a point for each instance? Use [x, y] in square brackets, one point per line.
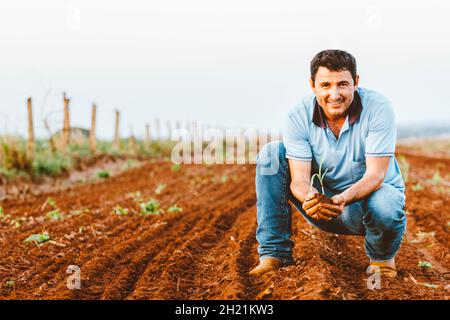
[386, 209]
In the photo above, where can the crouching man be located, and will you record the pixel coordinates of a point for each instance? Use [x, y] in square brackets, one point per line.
[350, 133]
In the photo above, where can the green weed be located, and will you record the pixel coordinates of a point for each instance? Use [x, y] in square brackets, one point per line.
[175, 208]
[160, 188]
[38, 238]
[150, 207]
[103, 174]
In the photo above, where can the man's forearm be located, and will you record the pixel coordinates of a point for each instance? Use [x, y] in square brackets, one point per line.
[300, 190]
[362, 188]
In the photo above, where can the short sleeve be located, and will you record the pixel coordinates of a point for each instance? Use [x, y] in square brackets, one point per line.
[382, 133]
[295, 138]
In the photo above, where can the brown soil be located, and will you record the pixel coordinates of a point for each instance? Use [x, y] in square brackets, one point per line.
[322, 199]
[206, 251]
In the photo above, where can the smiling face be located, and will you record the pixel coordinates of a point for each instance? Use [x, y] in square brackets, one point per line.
[334, 91]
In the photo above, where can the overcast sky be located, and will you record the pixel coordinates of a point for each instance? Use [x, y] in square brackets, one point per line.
[233, 62]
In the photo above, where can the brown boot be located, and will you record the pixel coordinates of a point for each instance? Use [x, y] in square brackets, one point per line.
[266, 265]
[384, 268]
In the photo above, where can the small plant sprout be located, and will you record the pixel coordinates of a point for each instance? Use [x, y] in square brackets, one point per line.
[103, 174]
[51, 202]
[176, 167]
[10, 283]
[417, 187]
[135, 196]
[7, 219]
[38, 238]
[175, 208]
[430, 285]
[425, 265]
[118, 210]
[55, 215]
[160, 188]
[18, 222]
[78, 212]
[436, 179]
[422, 236]
[150, 207]
[319, 176]
[129, 164]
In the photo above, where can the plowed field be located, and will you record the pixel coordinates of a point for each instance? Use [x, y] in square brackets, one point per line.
[206, 250]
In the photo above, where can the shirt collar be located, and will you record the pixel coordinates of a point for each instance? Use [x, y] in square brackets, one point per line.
[354, 112]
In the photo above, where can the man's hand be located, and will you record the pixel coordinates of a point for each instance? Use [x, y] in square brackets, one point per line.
[311, 204]
[317, 209]
[337, 206]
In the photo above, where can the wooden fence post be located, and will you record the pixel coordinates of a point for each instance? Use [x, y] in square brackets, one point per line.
[158, 129]
[30, 145]
[92, 137]
[116, 142]
[66, 128]
[133, 150]
[169, 130]
[148, 137]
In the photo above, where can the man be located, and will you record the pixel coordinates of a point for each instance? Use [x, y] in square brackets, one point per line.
[351, 133]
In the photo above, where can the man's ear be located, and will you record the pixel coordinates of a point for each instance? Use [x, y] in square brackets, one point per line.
[356, 81]
[311, 83]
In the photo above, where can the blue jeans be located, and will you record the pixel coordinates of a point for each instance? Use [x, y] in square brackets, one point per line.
[379, 217]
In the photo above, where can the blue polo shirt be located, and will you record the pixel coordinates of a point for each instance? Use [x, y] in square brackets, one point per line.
[369, 131]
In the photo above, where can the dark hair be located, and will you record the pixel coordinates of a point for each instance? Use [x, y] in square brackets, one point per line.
[334, 60]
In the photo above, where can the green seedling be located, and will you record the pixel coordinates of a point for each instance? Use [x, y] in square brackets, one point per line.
[176, 167]
[430, 285]
[417, 187]
[38, 238]
[441, 189]
[224, 179]
[76, 212]
[425, 265]
[422, 236]
[118, 210]
[135, 196]
[160, 188]
[51, 202]
[436, 179]
[18, 222]
[55, 215]
[6, 218]
[129, 164]
[175, 208]
[319, 176]
[10, 283]
[103, 174]
[150, 207]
